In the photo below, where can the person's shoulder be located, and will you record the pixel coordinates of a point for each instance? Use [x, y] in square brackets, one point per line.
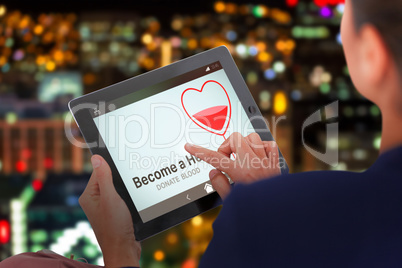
[311, 191]
[298, 185]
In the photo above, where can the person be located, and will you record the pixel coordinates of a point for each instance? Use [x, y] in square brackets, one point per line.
[313, 219]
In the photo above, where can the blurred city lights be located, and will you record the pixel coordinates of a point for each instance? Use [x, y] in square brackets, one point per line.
[280, 103]
[159, 255]
[341, 166]
[71, 236]
[219, 7]
[9, 42]
[36, 247]
[260, 11]
[38, 30]
[346, 71]
[6, 67]
[261, 46]
[320, 3]
[177, 24]
[196, 221]
[100, 261]
[18, 55]
[90, 251]
[360, 154]
[3, 10]
[146, 38]
[325, 88]
[326, 12]
[190, 263]
[326, 77]
[172, 238]
[241, 50]
[38, 236]
[72, 201]
[375, 111]
[48, 163]
[3, 60]
[265, 95]
[343, 94]
[320, 32]
[296, 95]
[377, 142]
[18, 227]
[231, 8]
[26, 153]
[340, 8]
[11, 118]
[231, 35]
[279, 67]
[264, 56]
[192, 44]
[4, 232]
[292, 3]
[252, 78]
[265, 100]
[21, 166]
[269, 74]
[252, 50]
[166, 49]
[50, 66]
[37, 185]
[339, 38]
[285, 46]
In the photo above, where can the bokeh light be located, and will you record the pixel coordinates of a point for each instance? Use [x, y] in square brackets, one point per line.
[37, 185]
[269, 74]
[326, 12]
[3, 10]
[279, 67]
[280, 103]
[219, 6]
[197, 221]
[159, 255]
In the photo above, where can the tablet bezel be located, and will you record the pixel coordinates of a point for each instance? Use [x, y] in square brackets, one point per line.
[91, 134]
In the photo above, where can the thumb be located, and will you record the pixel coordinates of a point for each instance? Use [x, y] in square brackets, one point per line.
[101, 175]
[220, 183]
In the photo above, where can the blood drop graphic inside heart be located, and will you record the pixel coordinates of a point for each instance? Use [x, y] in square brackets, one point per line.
[214, 119]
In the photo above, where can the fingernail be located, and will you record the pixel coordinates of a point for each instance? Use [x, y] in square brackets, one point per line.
[95, 162]
[213, 173]
[188, 145]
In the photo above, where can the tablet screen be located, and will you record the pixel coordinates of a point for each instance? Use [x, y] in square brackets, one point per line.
[145, 133]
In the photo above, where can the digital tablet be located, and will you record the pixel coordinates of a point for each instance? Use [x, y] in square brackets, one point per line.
[140, 126]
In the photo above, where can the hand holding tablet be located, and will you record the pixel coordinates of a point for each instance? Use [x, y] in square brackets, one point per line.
[140, 126]
[110, 218]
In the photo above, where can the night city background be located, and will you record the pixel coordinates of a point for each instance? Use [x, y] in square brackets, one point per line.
[288, 51]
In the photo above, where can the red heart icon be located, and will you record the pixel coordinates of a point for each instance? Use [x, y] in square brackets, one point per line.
[213, 119]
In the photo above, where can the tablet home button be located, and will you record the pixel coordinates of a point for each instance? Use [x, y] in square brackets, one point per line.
[208, 188]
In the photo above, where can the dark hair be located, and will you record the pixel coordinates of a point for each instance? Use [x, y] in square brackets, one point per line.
[386, 16]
